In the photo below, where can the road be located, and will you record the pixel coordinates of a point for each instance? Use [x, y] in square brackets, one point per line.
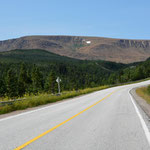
[104, 120]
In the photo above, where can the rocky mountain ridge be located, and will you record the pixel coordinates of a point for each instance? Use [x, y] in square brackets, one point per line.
[81, 47]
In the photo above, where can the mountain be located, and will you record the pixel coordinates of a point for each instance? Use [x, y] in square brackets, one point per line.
[89, 48]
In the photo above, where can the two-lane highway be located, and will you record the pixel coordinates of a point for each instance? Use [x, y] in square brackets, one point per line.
[103, 120]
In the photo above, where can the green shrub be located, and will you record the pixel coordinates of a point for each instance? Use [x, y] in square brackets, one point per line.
[148, 89]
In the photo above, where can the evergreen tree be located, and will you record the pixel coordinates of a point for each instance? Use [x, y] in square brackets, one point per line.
[11, 84]
[51, 83]
[2, 88]
[37, 80]
[22, 81]
[29, 88]
[139, 74]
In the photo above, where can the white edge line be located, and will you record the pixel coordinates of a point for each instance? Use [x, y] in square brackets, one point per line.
[44, 107]
[36, 109]
[144, 126]
[24, 113]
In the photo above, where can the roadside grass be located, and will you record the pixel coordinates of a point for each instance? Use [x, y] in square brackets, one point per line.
[44, 98]
[4, 99]
[144, 93]
[41, 99]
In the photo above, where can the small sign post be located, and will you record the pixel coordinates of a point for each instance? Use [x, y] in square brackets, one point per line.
[58, 80]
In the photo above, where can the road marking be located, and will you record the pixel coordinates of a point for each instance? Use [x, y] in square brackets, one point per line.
[46, 132]
[39, 109]
[144, 126]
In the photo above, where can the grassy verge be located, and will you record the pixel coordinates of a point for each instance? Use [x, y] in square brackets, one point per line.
[144, 93]
[33, 101]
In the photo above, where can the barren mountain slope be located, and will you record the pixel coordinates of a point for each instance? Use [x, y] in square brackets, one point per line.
[117, 50]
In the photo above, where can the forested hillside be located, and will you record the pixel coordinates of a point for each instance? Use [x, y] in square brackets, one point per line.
[134, 72]
[35, 71]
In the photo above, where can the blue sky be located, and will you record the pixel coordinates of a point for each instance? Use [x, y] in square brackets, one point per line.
[103, 18]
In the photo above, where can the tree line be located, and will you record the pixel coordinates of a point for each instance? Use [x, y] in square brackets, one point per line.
[131, 73]
[32, 72]
[16, 80]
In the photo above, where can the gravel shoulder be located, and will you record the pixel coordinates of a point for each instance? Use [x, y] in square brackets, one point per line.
[141, 102]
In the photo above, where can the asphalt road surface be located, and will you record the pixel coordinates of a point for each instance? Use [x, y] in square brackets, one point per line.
[105, 120]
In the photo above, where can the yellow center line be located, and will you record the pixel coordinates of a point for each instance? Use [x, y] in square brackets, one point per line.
[46, 132]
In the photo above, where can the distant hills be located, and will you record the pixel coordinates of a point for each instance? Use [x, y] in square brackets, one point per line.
[89, 48]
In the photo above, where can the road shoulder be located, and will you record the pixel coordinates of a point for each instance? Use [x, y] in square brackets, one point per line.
[141, 102]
